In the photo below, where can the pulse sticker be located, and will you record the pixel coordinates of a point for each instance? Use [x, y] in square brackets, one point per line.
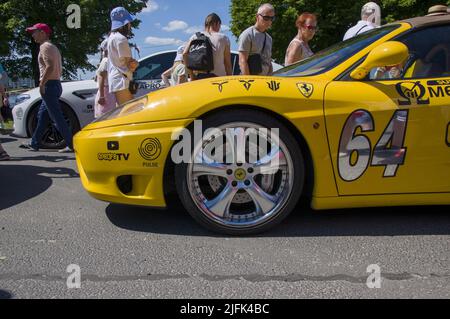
[150, 149]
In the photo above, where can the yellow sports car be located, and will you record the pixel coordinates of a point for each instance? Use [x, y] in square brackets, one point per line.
[363, 123]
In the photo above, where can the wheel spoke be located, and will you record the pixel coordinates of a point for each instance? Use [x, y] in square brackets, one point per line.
[215, 169]
[264, 202]
[220, 205]
[271, 163]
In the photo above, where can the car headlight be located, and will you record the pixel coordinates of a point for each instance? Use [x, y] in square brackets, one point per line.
[131, 107]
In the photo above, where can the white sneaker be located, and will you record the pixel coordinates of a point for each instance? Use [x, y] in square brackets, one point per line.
[66, 150]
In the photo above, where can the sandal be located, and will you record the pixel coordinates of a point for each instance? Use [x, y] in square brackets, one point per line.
[4, 156]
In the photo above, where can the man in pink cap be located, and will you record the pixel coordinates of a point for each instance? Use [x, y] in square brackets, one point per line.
[50, 67]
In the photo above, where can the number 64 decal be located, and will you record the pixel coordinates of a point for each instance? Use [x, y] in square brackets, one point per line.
[355, 150]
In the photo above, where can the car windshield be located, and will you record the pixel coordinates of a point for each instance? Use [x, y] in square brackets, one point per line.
[334, 55]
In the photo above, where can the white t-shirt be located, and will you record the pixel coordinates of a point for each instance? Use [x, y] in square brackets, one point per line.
[219, 42]
[118, 48]
[360, 27]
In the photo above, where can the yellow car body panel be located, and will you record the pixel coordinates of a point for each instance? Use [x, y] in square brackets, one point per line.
[317, 106]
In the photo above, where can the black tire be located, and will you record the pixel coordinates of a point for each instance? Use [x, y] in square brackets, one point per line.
[263, 120]
[52, 138]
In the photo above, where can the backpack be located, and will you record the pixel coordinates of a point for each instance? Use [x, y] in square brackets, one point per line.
[200, 56]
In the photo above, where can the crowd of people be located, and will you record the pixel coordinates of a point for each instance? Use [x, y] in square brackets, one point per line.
[207, 54]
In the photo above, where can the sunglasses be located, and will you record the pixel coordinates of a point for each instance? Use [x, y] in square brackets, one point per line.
[268, 18]
[310, 27]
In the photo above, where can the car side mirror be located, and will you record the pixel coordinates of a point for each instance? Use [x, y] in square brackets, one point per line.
[390, 53]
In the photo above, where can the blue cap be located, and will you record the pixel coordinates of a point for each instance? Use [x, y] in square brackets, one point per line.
[120, 17]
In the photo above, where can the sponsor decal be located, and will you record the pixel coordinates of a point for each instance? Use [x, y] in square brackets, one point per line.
[247, 84]
[440, 88]
[89, 109]
[112, 145]
[306, 89]
[109, 157]
[220, 85]
[150, 149]
[154, 85]
[410, 91]
[274, 85]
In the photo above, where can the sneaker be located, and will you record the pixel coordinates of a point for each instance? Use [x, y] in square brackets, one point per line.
[29, 147]
[66, 150]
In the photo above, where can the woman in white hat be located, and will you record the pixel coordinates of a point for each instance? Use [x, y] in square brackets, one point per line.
[105, 100]
[121, 63]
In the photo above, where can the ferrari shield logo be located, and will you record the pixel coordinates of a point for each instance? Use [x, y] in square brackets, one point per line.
[306, 89]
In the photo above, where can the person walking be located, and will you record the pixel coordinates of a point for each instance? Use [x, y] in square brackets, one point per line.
[255, 45]
[221, 50]
[121, 64]
[299, 48]
[105, 101]
[50, 67]
[370, 19]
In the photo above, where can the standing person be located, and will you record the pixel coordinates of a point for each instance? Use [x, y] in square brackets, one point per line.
[370, 19]
[299, 48]
[178, 72]
[50, 67]
[221, 52]
[255, 45]
[3, 86]
[105, 101]
[121, 64]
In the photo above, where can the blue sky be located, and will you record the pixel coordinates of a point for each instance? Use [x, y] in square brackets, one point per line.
[167, 23]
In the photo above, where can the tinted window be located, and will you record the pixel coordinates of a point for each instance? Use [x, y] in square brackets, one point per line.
[429, 51]
[152, 67]
[336, 54]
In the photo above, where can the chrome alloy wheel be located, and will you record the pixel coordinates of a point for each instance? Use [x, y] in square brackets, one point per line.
[241, 193]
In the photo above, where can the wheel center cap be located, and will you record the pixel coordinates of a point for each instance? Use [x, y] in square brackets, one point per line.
[240, 174]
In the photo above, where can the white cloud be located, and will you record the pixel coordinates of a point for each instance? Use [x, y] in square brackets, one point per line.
[151, 6]
[162, 41]
[193, 29]
[225, 28]
[175, 26]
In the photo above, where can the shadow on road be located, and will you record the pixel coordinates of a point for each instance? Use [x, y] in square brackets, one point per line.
[43, 158]
[19, 183]
[5, 295]
[303, 222]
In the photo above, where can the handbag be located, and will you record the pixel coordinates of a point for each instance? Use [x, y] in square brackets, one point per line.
[254, 61]
[133, 87]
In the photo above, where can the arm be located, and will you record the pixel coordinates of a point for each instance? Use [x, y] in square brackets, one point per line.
[165, 76]
[227, 59]
[101, 87]
[243, 57]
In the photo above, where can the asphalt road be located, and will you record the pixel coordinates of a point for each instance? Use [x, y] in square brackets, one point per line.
[48, 222]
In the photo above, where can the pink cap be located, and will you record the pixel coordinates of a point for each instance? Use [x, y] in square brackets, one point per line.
[40, 26]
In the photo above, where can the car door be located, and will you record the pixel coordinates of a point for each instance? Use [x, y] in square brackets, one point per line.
[148, 74]
[391, 135]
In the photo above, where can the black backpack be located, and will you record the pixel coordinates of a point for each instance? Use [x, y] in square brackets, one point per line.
[200, 56]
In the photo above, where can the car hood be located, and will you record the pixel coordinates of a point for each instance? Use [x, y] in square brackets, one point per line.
[193, 99]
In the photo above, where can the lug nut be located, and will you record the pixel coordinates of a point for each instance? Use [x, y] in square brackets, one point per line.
[247, 183]
[239, 164]
[234, 184]
[250, 170]
[230, 171]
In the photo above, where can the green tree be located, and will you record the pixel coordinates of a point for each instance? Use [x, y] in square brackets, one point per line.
[334, 18]
[18, 52]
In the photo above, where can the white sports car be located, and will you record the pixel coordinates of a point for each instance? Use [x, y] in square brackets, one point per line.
[78, 97]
